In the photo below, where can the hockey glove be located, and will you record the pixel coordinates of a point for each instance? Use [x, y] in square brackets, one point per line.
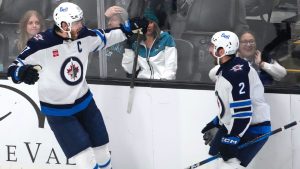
[27, 74]
[210, 130]
[133, 25]
[131, 40]
[229, 147]
[210, 135]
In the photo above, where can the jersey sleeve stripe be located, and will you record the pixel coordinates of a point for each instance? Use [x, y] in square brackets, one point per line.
[20, 61]
[16, 74]
[101, 35]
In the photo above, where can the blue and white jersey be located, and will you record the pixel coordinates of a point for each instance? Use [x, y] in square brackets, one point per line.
[240, 96]
[62, 87]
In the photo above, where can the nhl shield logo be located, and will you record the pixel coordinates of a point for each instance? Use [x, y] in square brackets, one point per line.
[72, 71]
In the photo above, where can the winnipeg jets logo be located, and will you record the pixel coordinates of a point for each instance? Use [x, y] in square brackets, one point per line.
[72, 71]
[237, 68]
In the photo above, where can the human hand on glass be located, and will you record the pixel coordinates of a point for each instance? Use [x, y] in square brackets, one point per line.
[113, 10]
[257, 58]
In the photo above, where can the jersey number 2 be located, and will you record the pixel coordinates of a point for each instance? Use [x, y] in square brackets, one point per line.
[242, 86]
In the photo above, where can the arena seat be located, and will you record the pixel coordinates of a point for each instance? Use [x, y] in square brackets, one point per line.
[185, 52]
[204, 18]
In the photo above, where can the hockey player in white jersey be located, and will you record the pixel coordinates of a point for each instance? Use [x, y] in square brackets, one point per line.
[243, 113]
[67, 102]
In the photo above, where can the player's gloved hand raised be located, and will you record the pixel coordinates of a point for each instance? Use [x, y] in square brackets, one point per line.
[28, 74]
[131, 40]
[132, 25]
[229, 147]
[210, 130]
[139, 24]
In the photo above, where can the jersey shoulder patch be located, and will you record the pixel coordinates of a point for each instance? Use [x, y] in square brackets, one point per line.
[238, 66]
[236, 69]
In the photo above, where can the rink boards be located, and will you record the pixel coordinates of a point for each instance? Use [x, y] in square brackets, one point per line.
[163, 131]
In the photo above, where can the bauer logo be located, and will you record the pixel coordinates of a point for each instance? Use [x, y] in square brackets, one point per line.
[62, 9]
[225, 36]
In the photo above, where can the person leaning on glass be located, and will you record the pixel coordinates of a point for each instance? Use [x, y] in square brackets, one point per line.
[267, 68]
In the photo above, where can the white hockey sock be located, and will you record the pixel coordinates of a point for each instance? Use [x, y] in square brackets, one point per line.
[86, 159]
[102, 156]
[232, 163]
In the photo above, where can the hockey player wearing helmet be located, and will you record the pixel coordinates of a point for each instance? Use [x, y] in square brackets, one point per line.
[61, 54]
[268, 69]
[243, 113]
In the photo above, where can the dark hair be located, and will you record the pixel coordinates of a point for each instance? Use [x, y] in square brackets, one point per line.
[156, 30]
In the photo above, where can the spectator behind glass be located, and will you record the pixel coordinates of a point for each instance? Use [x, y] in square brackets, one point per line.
[116, 15]
[267, 68]
[157, 57]
[31, 24]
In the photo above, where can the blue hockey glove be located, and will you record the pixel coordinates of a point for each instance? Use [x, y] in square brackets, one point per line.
[210, 130]
[229, 147]
[132, 25]
[27, 74]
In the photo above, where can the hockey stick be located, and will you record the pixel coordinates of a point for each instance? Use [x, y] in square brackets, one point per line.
[257, 139]
[131, 90]
[293, 70]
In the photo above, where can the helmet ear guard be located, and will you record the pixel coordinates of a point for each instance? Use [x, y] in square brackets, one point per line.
[69, 13]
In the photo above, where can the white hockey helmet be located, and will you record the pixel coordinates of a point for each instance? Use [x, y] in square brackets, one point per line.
[227, 40]
[67, 12]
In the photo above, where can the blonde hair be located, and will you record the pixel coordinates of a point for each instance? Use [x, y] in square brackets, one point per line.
[24, 36]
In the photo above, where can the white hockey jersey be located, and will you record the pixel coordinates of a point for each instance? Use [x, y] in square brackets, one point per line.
[62, 87]
[240, 96]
